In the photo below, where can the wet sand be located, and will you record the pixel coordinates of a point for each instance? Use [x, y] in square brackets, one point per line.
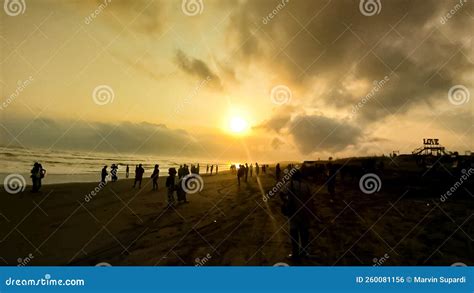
[228, 225]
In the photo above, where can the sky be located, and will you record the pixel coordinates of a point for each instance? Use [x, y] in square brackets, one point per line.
[309, 79]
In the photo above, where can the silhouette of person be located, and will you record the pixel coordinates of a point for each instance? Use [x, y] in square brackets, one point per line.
[240, 173]
[212, 168]
[113, 172]
[277, 171]
[35, 177]
[246, 171]
[103, 174]
[180, 192]
[127, 172]
[138, 176]
[217, 169]
[251, 170]
[207, 169]
[198, 169]
[40, 175]
[185, 170]
[296, 198]
[180, 171]
[257, 169]
[154, 176]
[171, 186]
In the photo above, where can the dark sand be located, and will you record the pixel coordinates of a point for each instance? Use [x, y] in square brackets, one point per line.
[225, 225]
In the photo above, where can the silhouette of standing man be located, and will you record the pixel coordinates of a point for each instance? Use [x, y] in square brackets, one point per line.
[138, 176]
[154, 177]
[296, 201]
[104, 174]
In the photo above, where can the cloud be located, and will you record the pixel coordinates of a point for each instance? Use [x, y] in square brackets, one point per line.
[142, 16]
[196, 67]
[342, 47]
[123, 137]
[315, 133]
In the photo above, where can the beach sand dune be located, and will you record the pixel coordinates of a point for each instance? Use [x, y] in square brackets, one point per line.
[228, 225]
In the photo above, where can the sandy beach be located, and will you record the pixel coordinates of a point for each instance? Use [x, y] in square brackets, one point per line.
[226, 225]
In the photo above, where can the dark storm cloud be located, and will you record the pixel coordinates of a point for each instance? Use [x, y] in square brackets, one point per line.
[408, 43]
[408, 37]
[197, 68]
[124, 137]
[315, 133]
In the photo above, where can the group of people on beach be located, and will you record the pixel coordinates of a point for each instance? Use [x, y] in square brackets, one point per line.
[211, 168]
[244, 170]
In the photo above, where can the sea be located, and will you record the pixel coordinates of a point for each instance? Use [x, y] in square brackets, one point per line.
[76, 166]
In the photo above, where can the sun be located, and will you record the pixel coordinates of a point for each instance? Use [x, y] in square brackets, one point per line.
[238, 125]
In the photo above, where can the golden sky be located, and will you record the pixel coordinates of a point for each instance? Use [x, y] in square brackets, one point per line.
[310, 78]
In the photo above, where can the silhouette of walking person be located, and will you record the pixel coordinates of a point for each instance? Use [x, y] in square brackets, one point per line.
[257, 169]
[138, 176]
[103, 174]
[154, 176]
[212, 167]
[251, 170]
[127, 172]
[217, 169]
[277, 171]
[296, 197]
[171, 186]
